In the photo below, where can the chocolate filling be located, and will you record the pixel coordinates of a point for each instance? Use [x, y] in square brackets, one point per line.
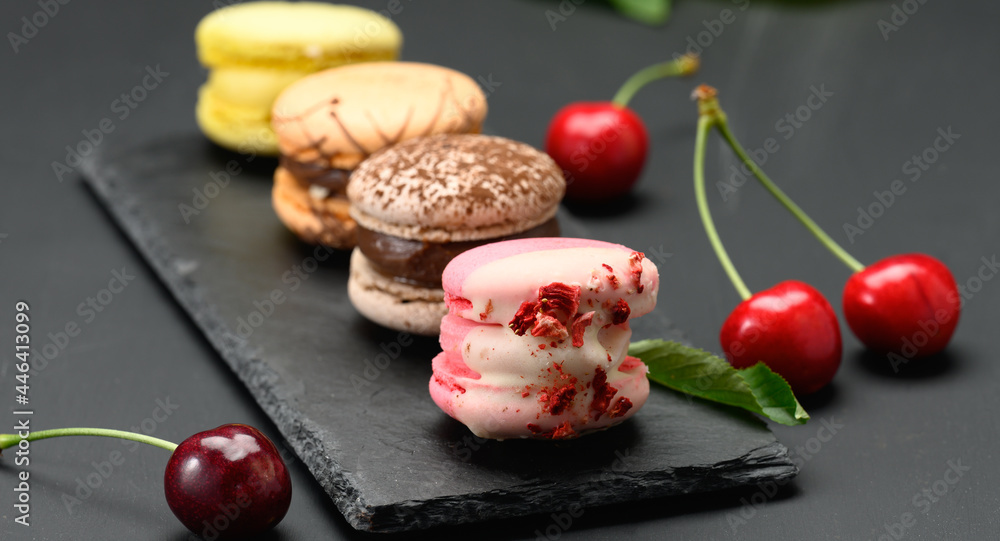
[421, 263]
[314, 174]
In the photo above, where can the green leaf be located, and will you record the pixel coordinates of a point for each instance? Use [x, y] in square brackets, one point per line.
[644, 11]
[699, 373]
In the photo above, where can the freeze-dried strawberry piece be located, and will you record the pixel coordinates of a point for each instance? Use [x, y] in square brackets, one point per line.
[561, 432]
[579, 325]
[457, 304]
[611, 277]
[549, 326]
[556, 400]
[560, 297]
[524, 319]
[620, 312]
[635, 270]
[603, 393]
[486, 313]
[621, 407]
[450, 383]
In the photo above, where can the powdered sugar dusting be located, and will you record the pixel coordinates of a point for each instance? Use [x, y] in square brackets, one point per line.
[451, 182]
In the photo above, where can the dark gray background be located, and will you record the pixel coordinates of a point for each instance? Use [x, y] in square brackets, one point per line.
[899, 431]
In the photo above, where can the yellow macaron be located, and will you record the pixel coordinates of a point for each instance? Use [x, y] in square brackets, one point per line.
[254, 50]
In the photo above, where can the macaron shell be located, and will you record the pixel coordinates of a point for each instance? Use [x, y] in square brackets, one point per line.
[250, 87]
[513, 360]
[358, 109]
[453, 331]
[325, 221]
[392, 304]
[307, 36]
[456, 188]
[463, 264]
[495, 288]
[504, 412]
[239, 128]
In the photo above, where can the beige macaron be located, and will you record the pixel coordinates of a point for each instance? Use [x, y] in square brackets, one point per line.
[421, 202]
[328, 122]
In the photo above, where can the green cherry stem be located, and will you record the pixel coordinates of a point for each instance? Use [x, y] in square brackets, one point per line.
[707, 118]
[11, 440]
[723, 126]
[682, 65]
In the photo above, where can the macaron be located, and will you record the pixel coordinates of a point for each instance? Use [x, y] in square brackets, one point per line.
[420, 203]
[535, 340]
[255, 49]
[328, 122]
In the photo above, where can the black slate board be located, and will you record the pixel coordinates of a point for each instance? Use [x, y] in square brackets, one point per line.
[371, 436]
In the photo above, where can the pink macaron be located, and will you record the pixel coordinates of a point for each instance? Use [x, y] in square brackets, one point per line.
[536, 336]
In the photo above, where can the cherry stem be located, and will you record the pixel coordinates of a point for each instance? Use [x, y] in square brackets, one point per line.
[11, 440]
[683, 65]
[705, 123]
[709, 104]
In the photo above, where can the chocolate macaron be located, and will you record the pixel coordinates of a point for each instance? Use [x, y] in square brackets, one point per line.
[328, 122]
[420, 203]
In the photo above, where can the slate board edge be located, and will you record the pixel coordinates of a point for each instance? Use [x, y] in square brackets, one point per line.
[768, 463]
[302, 434]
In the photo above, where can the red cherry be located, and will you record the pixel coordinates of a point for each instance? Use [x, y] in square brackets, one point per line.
[227, 483]
[905, 304]
[601, 148]
[792, 329]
